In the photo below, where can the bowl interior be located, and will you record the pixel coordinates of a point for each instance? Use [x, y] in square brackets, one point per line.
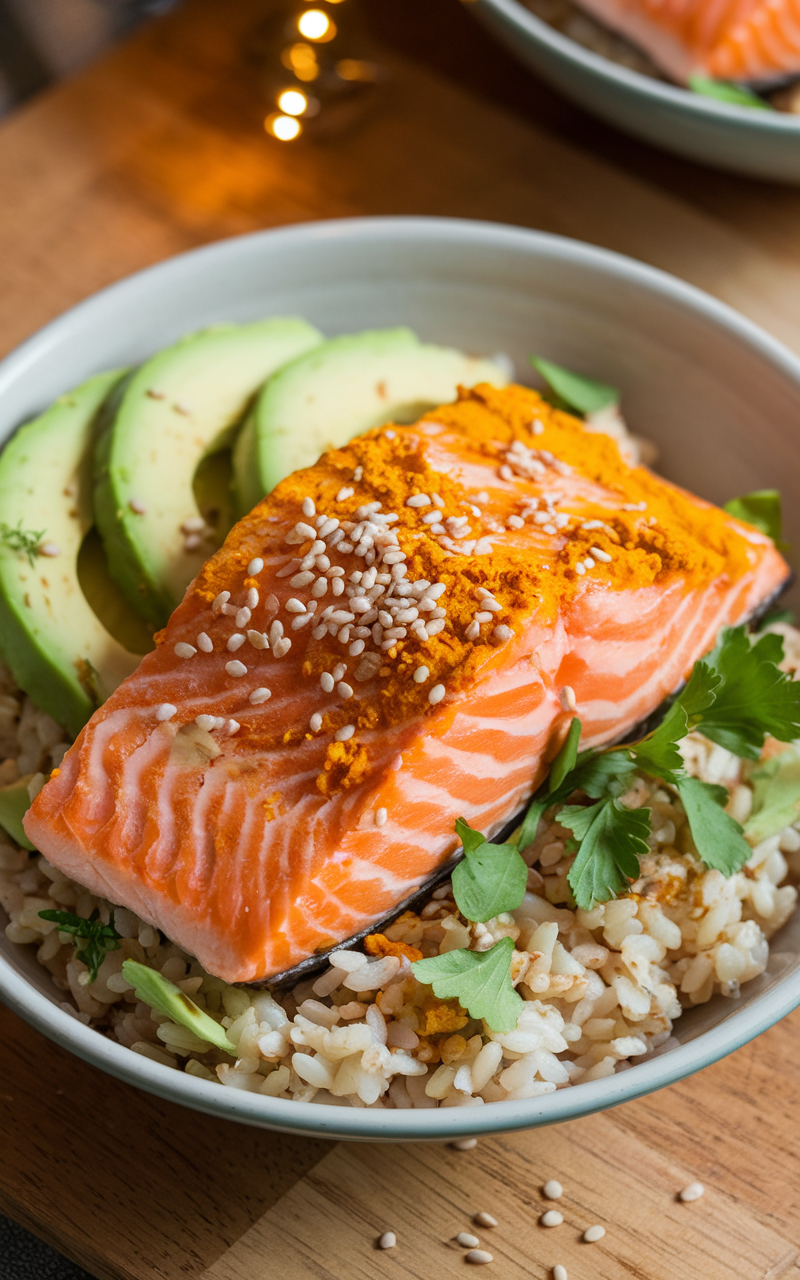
[716, 395]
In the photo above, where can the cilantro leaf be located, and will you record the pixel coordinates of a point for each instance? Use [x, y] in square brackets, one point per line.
[762, 509]
[753, 697]
[98, 938]
[724, 91]
[154, 989]
[491, 877]
[586, 395]
[567, 757]
[479, 980]
[611, 838]
[658, 753]
[24, 541]
[599, 773]
[776, 796]
[718, 839]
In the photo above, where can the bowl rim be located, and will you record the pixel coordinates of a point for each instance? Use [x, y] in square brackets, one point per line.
[736, 1028]
[677, 98]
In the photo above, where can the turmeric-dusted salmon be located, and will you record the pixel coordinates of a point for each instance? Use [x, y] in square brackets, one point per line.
[725, 39]
[395, 637]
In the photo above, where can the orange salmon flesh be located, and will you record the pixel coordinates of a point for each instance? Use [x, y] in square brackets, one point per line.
[394, 638]
[724, 39]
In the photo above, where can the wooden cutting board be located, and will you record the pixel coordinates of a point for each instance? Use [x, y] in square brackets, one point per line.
[160, 147]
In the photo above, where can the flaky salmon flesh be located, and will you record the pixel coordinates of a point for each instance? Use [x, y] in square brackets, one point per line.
[394, 638]
[723, 39]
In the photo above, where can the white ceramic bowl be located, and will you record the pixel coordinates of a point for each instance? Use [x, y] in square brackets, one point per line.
[762, 144]
[718, 395]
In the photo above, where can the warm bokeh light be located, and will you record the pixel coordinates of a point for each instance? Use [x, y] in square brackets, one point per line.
[293, 102]
[283, 127]
[316, 25]
[302, 60]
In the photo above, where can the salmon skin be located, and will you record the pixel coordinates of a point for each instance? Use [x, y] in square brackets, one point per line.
[395, 637]
[725, 39]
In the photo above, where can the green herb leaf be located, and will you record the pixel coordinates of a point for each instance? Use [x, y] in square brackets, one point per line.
[723, 91]
[567, 757]
[753, 698]
[718, 839]
[611, 838]
[776, 796]
[25, 541]
[479, 980]
[161, 994]
[762, 509]
[602, 773]
[658, 753]
[575, 391]
[98, 938]
[491, 877]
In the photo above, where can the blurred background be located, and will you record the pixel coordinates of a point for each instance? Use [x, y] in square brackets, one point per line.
[43, 40]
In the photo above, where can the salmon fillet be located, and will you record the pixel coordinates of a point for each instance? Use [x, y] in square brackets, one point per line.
[725, 39]
[287, 765]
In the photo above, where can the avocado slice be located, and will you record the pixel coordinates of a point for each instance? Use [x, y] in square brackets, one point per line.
[339, 390]
[57, 648]
[179, 408]
[15, 801]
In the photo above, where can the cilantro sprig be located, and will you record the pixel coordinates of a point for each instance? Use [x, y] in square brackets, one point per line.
[574, 391]
[98, 938]
[24, 541]
[736, 696]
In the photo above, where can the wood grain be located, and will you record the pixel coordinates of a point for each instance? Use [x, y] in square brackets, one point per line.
[160, 147]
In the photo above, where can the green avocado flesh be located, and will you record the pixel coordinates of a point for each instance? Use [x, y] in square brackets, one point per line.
[177, 410]
[339, 390]
[15, 802]
[57, 648]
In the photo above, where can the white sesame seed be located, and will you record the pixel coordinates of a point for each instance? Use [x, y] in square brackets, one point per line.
[516, 522]
[390, 435]
[327, 682]
[308, 508]
[184, 650]
[693, 1192]
[345, 733]
[206, 722]
[305, 530]
[137, 507]
[236, 668]
[293, 605]
[388, 1240]
[337, 586]
[568, 701]
[432, 517]
[559, 1272]
[478, 1256]
[205, 642]
[275, 632]
[260, 695]
[552, 1218]
[358, 473]
[394, 557]
[272, 603]
[464, 1238]
[473, 631]
[580, 567]
[344, 690]
[319, 588]
[319, 631]
[434, 627]
[553, 1190]
[291, 566]
[339, 670]
[344, 493]
[233, 727]
[166, 711]
[502, 633]
[599, 554]
[243, 616]
[302, 579]
[505, 472]
[252, 598]
[436, 694]
[592, 1234]
[220, 600]
[301, 620]
[537, 427]
[482, 616]
[235, 641]
[549, 528]
[258, 639]
[380, 817]
[485, 1220]
[315, 723]
[421, 675]
[328, 527]
[418, 500]
[483, 547]
[255, 566]
[356, 648]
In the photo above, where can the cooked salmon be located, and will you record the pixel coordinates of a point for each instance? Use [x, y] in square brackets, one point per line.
[395, 637]
[724, 39]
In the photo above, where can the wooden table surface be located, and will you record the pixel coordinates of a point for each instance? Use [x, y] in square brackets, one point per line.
[160, 147]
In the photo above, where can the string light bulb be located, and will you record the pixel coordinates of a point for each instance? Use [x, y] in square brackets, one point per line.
[314, 24]
[285, 128]
[293, 102]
